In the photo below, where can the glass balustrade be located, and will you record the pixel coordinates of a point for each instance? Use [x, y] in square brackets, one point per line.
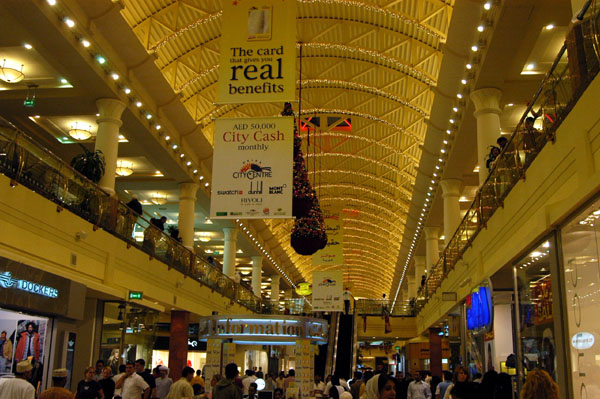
[574, 68]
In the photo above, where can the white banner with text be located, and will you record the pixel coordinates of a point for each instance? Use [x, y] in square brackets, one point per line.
[252, 174]
[258, 51]
[328, 291]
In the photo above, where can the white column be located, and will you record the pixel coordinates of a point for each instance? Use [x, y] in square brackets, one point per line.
[419, 269]
[432, 247]
[256, 274]
[487, 112]
[229, 251]
[275, 288]
[187, 215]
[451, 194]
[107, 138]
[412, 287]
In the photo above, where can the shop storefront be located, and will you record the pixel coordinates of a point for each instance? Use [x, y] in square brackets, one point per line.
[580, 242]
[34, 303]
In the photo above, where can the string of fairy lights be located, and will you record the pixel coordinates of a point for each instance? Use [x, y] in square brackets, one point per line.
[105, 65]
[152, 120]
[470, 73]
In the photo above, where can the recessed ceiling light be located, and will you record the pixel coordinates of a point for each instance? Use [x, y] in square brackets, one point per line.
[70, 23]
[28, 46]
[115, 76]
[510, 104]
[174, 146]
[138, 104]
[530, 66]
[469, 66]
[459, 95]
[148, 116]
[157, 127]
[474, 48]
[549, 26]
[167, 138]
[487, 5]
[64, 81]
[480, 28]
[85, 43]
[463, 81]
[455, 109]
[188, 163]
[51, 2]
[127, 90]
[101, 60]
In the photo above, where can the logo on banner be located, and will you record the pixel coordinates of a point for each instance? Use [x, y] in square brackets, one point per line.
[277, 189]
[252, 170]
[327, 282]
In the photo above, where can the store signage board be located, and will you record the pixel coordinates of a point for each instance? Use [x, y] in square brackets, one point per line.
[479, 309]
[256, 329]
[136, 295]
[328, 291]
[258, 52]
[252, 168]
[582, 340]
[7, 281]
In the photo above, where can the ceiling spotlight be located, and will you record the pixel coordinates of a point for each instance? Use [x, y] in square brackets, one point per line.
[510, 104]
[459, 95]
[127, 90]
[85, 43]
[549, 26]
[70, 23]
[64, 81]
[51, 2]
[463, 81]
[487, 5]
[181, 155]
[148, 116]
[28, 46]
[138, 104]
[174, 146]
[480, 28]
[455, 109]
[167, 138]
[474, 48]
[188, 163]
[469, 66]
[101, 60]
[530, 66]
[115, 76]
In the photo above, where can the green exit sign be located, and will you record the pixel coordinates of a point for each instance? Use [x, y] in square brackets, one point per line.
[30, 102]
[136, 294]
[397, 348]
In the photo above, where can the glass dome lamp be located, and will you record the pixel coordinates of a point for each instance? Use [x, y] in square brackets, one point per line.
[11, 72]
[124, 168]
[80, 132]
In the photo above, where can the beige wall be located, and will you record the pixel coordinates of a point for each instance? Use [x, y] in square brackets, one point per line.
[402, 328]
[33, 232]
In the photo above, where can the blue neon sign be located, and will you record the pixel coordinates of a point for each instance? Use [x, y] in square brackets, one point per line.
[479, 309]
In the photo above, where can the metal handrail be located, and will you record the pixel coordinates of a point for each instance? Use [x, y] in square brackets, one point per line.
[511, 153]
[107, 212]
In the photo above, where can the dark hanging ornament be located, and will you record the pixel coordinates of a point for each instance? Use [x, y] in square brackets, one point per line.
[303, 194]
[308, 234]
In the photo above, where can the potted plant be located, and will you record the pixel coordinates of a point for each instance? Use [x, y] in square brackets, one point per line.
[90, 164]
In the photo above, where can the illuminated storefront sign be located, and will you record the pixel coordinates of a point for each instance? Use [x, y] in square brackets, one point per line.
[582, 340]
[6, 281]
[479, 309]
[270, 328]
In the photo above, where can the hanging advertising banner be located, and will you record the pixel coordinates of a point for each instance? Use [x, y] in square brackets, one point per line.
[328, 291]
[252, 168]
[542, 292]
[333, 253]
[258, 51]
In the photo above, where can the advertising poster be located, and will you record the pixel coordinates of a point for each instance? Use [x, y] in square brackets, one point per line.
[7, 339]
[333, 253]
[258, 51]
[252, 168]
[328, 291]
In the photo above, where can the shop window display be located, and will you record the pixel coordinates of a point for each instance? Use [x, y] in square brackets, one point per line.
[128, 333]
[536, 310]
[581, 248]
[22, 337]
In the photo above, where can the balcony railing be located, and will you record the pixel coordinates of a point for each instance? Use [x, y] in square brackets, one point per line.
[379, 307]
[27, 163]
[573, 69]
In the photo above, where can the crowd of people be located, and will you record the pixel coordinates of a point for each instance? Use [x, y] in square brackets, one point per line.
[134, 381]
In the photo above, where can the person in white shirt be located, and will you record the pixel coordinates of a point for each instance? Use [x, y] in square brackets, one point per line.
[18, 387]
[418, 389]
[319, 387]
[116, 378]
[250, 378]
[163, 382]
[132, 384]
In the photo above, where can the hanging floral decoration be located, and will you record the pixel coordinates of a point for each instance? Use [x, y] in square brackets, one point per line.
[303, 195]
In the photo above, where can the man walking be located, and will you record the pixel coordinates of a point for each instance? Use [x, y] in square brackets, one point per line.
[418, 389]
[182, 388]
[226, 388]
[58, 390]
[18, 387]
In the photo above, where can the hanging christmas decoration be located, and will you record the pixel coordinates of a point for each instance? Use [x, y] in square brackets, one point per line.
[303, 195]
[308, 233]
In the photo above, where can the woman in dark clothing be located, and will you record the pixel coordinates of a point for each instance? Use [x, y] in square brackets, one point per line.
[88, 388]
[107, 383]
[504, 387]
